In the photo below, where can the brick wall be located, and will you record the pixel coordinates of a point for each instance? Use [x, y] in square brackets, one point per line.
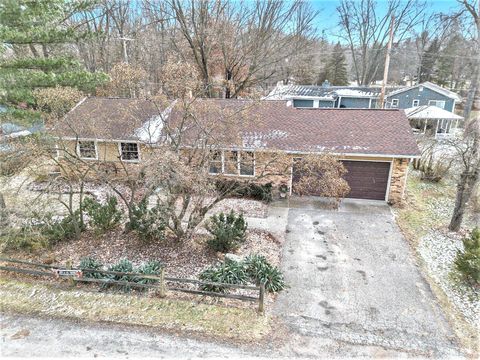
[269, 167]
[398, 181]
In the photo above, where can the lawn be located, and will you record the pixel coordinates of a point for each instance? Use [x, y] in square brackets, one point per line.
[171, 314]
[424, 220]
[428, 206]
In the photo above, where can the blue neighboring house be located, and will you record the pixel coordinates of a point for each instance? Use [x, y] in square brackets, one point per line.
[326, 96]
[423, 94]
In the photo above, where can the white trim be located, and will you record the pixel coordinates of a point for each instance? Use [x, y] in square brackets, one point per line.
[120, 151]
[238, 151]
[76, 105]
[415, 100]
[439, 90]
[394, 106]
[395, 156]
[389, 181]
[87, 158]
[339, 102]
[435, 103]
[307, 97]
[354, 154]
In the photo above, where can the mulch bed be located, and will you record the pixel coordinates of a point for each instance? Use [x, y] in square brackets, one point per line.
[182, 259]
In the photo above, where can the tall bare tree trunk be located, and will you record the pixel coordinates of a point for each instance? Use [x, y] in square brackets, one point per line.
[465, 188]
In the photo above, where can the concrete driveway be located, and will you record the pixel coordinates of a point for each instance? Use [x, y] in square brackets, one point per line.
[353, 278]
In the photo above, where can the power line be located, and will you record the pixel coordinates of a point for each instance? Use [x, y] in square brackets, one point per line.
[395, 52]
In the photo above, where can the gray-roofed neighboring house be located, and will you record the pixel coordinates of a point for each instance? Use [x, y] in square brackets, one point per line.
[365, 97]
[326, 96]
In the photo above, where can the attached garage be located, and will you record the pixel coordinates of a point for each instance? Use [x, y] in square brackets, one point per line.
[367, 179]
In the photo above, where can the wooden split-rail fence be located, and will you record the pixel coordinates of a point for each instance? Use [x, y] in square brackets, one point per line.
[161, 284]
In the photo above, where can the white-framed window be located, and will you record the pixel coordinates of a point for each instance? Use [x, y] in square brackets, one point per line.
[247, 163]
[394, 103]
[215, 164]
[87, 149]
[232, 162]
[437, 103]
[415, 102]
[129, 151]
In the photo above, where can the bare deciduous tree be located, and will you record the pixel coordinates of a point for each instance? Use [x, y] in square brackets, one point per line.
[322, 175]
[367, 31]
[237, 45]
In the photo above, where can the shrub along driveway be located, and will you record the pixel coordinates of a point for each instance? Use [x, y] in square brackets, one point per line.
[353, 278]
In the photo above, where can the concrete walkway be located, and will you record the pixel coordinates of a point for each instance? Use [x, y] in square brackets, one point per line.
[352, 278]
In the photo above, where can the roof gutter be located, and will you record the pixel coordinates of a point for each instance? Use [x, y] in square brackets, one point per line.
[397, 156]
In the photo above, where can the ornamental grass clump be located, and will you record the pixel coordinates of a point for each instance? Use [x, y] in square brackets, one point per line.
[152, 267]
[228, 272]
[255, 269]
[260, 271]
[123, 266]
[89, 263]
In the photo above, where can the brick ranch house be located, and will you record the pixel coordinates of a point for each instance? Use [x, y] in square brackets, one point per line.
[375, 145]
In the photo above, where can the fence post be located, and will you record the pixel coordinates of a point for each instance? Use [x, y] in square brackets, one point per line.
[261, 298]
[162, 288]
[69, 265]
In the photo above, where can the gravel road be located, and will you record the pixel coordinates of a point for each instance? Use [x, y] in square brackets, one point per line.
[24, 336]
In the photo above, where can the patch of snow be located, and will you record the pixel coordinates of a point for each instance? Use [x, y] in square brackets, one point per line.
[430, 112]
[18, 134]
[151, 130]
[354, 92]
[257, 140]
[438, 250]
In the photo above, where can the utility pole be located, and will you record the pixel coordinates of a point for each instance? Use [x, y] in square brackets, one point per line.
[124, 48]
[387, 64]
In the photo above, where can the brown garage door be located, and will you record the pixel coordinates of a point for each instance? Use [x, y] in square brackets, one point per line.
[367, 180]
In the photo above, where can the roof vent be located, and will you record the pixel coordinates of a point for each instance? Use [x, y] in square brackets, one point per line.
[326, 84]
[289, 103]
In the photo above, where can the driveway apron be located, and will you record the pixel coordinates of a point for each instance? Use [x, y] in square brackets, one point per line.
[352, 277]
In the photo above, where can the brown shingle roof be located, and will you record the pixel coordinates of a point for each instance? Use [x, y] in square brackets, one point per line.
[272, 125]
[107, 118]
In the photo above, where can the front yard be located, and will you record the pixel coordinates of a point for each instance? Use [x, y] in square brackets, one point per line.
[188, 258]
[424, 221]
[27, 297]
